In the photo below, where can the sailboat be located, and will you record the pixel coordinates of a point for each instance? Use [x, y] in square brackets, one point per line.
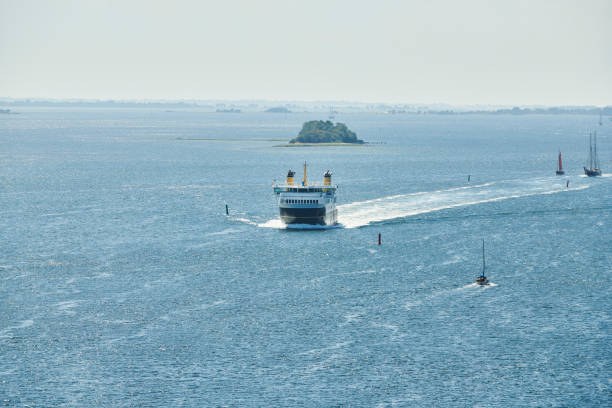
[560, 171]
[482, 279]
[593, 169]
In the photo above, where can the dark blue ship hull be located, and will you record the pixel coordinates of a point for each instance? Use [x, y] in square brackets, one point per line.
[309, 216]
[592, 172]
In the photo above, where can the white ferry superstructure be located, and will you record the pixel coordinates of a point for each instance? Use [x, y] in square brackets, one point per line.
[313, 204]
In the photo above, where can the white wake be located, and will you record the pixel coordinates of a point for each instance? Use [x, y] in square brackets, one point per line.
[362, 213]
[277, 223]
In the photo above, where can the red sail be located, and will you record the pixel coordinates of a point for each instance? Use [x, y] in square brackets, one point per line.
[560, 164]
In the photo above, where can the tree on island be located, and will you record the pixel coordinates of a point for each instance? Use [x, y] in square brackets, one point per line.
[320, 131]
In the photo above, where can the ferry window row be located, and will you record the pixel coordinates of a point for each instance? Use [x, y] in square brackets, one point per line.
[286, 201]
[309, 189]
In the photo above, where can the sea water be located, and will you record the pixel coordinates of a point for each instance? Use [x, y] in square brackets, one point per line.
[123, 282]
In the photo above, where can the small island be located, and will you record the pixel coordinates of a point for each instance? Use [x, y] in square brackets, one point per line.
[279, 109]
[320, 132]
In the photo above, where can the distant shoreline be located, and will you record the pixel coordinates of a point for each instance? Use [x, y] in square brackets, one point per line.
[319, 144]
[213, 139]
[261, 106]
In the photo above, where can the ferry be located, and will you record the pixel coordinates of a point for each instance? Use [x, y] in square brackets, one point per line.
[309, 204]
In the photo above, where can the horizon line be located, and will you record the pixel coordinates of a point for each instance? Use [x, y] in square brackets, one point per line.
[9, 99]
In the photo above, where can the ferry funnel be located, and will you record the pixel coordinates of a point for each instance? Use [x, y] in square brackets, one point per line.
[290, 175]
[327, 178]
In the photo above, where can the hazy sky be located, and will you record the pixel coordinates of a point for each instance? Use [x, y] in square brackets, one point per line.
[459, 52]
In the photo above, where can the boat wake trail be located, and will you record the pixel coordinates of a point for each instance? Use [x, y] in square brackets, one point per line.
[475, 285]
[362, 213]
[359, 214]
[277, 223]
[605, 175]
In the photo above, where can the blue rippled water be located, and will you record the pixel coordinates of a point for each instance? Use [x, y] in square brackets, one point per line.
[122, 282]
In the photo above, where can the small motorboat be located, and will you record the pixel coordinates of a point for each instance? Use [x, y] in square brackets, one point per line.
[482, 279]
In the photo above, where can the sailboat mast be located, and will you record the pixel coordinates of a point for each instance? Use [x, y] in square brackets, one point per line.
[590, 150]
[595, 149]
[483, 259]
[560, 163]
